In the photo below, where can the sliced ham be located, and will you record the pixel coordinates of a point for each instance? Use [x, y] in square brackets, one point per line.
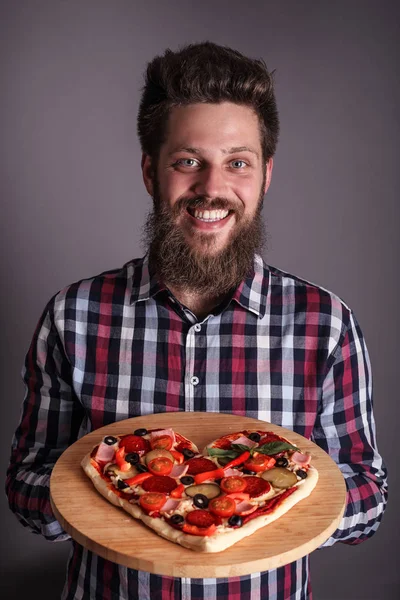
[244, 441]
[179, 471]
[170, 504]
[233, 472]
[156, 434]
[301, 459]
[105, 453]
[244, 508]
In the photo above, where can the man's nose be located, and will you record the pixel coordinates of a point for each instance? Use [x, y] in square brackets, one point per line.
[211, 182]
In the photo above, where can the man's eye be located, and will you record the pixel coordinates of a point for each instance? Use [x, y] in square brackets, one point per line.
[187, 162]
[238, 164]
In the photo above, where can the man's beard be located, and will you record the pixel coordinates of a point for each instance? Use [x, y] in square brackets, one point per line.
[202, 270]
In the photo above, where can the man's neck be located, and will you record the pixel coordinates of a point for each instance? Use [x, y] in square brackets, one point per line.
[201, 305]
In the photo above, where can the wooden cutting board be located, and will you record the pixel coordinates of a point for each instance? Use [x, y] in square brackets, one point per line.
[110, 532]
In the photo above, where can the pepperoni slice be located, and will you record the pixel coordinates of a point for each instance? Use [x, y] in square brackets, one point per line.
[182, 443]
[223, 444]
[270, 437]
[255, 486]
[200, 518]
[134, 443]
[159, 483]
[200, 465]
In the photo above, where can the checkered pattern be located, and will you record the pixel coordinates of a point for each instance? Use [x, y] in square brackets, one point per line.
[120, 345]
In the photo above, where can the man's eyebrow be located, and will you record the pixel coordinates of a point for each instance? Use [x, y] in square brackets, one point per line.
[189, 149]
[233, 150]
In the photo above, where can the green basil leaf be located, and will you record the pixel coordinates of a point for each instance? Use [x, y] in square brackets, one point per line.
[274, 448]
[241, 447]
[221, 452]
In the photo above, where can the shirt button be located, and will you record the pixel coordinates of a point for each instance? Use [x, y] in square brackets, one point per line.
[197, 327]
[194, 380]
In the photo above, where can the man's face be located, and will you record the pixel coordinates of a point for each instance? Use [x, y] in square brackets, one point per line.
[208, 187]
[210, 172]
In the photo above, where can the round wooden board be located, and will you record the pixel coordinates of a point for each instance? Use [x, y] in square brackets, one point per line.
[113, 534]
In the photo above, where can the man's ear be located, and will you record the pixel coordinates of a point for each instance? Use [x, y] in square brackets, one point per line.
[268, 173]
[147, 172]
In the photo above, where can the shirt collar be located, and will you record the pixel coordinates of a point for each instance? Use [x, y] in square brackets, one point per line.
[145, 285]
[251, 294]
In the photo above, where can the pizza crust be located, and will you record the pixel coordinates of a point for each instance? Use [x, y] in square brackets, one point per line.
[218, 541]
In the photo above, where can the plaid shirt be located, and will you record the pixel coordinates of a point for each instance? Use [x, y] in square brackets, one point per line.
[119, 345]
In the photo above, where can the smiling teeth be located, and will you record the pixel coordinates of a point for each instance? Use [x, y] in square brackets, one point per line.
[210, 215]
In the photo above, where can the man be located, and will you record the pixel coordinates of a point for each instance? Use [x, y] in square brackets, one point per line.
[201, 323]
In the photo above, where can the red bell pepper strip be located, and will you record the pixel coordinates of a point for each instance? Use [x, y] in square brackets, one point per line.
[178, 456]
[203, 531]
[137, 479]
[238, 460]
[178, 491]
[120, 460]
[217, 474]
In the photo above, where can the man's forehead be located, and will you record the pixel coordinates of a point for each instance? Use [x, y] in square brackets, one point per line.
[224, 128]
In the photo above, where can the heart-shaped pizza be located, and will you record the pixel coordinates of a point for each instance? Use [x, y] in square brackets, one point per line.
[204, 501]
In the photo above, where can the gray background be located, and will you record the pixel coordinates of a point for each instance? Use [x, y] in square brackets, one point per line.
[73, 200]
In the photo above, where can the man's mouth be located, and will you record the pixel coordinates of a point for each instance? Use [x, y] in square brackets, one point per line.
[208, 216]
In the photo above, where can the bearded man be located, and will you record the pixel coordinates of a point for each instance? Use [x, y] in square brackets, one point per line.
[200, 323]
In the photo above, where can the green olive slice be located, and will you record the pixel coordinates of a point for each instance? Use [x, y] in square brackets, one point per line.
[280, 477]
[156, 453]
[210, 490]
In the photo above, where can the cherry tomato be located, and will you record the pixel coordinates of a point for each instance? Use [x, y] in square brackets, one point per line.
[160, 466]
[233, 484]
[152, 501]
[259, 462]
[222, 506]
[164, 442]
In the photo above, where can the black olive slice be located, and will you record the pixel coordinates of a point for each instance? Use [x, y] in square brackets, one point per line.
[132, 458]
[187, 453]
[200, 500]
[140, 432]
[110, 440]
[121, 485]
[302, 474]
[255, 437]
[187, 480]
[235, 521]
[141, 468]
[177, 519]
[282, 462]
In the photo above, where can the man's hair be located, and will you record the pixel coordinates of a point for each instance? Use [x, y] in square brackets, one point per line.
[206, 73]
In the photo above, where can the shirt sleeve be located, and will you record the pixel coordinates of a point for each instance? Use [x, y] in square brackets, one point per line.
[345, 429]
[50, 421]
